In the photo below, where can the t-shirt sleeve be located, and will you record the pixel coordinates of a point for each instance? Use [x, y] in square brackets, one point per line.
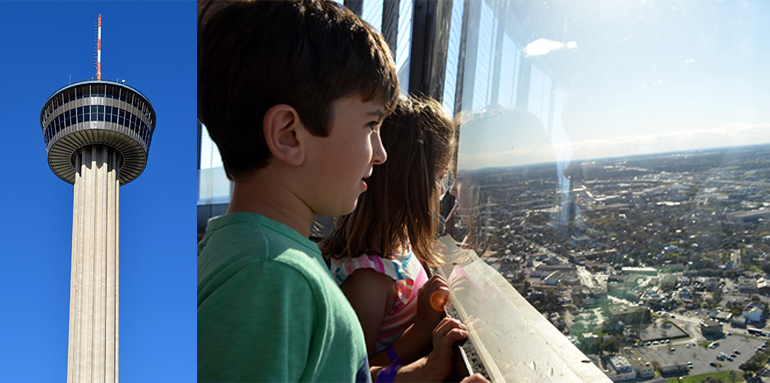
[257, 326]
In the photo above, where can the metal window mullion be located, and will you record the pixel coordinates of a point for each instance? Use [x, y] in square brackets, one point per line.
[466, 66]
[355, 6]
[390, 23]
[500, 10]
[522, 96]
[431, 23]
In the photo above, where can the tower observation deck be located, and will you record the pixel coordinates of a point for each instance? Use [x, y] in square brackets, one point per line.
[97, 137]
[97, 113]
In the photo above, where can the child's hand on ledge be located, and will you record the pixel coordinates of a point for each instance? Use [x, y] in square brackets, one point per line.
[428, 317]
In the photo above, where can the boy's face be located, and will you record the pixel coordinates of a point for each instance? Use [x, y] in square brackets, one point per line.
[339, 163]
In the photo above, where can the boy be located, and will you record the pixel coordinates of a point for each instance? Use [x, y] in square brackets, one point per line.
[293, 94]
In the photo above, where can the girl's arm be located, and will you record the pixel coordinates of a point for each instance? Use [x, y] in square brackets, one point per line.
[372, 295]
[417, 340]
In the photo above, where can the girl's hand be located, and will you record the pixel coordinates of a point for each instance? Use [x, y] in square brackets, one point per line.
[427, 317]
[438, 364]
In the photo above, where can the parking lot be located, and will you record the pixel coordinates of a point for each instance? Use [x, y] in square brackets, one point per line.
[701, 356]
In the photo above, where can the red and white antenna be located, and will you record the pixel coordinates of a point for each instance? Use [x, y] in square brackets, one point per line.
[99, 49]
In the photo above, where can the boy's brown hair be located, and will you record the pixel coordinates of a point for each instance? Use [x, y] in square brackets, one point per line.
[253, 55]
[400, 205]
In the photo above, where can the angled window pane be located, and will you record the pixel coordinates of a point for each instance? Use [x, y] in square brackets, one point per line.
[509, 73]
[214, 187]
[372, 13]
[404, 44]
[453, 52]
[539, 95]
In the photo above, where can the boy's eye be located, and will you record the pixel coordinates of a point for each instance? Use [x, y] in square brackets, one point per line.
[374, 125]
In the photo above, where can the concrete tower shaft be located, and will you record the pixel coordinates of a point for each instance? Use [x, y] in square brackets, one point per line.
[93, 323]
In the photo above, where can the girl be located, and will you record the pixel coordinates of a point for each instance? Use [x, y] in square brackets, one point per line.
[377, 252]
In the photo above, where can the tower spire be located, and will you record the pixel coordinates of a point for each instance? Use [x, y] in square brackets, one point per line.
[99, 49]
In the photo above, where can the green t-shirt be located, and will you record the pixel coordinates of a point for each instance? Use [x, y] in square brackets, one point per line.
[268, 309]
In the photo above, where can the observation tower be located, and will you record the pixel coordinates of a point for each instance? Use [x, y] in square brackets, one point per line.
[97, 137]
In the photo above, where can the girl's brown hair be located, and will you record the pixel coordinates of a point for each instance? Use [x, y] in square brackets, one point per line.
[399, 208]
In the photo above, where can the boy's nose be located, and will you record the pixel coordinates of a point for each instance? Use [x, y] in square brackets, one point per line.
[379, 155]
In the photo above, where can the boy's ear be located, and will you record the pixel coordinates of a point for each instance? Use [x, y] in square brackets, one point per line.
[282, 127]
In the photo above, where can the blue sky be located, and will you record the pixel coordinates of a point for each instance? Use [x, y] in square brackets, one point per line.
[44, 46]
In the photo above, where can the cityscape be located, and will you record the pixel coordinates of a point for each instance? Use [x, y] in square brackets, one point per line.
[652, 265]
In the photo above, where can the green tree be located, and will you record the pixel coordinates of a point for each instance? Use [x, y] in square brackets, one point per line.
[610, 345]
[755, 363]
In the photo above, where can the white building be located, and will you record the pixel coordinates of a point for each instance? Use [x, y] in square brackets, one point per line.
[622, 369]
[620, 364]
[753, 312]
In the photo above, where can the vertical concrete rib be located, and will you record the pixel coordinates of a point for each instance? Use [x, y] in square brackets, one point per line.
[93, 291]
[88, 269]
[76, 273]
[112, 245]
[100, 252]
[116, 183]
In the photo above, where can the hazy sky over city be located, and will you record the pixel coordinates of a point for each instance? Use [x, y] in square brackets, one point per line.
[44, 46]
[640, 77]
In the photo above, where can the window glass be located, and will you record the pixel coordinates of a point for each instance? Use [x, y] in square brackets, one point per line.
[453, 52]
[487, 32]
[602, 135]
[213, 185]
[372, 13]
[404, 44]
[539, 95]
[509, 67]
